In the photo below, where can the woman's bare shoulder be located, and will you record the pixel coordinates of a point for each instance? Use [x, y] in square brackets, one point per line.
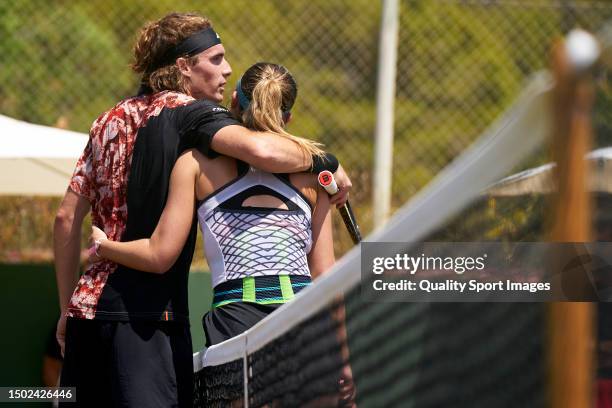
[307, 184]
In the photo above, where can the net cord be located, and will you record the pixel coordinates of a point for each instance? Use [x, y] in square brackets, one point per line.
[517, 133]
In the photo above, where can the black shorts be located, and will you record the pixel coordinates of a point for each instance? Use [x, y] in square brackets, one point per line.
[224, 322]
[128, 364]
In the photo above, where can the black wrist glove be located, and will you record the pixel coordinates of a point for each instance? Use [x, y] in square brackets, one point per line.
[326, 162]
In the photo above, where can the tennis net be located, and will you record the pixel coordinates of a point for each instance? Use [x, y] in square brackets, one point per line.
[331, 347]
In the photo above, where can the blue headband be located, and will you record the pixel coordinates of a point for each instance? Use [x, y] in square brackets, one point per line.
[243, 101]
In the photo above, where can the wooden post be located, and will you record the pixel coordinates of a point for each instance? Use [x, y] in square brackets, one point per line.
[571, 358]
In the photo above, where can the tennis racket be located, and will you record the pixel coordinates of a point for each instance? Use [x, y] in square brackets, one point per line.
[327, 181]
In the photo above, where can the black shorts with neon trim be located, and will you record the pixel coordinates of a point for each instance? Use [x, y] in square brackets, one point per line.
[241, 303]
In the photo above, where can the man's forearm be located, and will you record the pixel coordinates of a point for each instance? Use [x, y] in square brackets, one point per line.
[280, 155]
[67, 244]
[265, 150]
[67, 248]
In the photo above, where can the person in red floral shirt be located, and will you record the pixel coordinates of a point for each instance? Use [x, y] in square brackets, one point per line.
[125, 332]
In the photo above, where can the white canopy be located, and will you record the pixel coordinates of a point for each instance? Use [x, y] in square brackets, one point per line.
[539, 180]
[35, 159]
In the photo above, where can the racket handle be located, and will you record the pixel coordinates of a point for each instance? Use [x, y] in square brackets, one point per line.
[327, 181]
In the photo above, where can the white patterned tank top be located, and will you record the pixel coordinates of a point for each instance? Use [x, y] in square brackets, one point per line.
[242, 242]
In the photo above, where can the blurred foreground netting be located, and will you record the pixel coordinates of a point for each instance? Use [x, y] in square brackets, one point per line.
[400, 354]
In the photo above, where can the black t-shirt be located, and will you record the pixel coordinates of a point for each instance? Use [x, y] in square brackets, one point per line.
[131, 294]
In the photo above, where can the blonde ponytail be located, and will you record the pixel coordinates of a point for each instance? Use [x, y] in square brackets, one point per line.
[266, 109]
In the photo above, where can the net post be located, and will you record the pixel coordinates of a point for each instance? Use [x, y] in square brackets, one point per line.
[385, 97]
[571, 324]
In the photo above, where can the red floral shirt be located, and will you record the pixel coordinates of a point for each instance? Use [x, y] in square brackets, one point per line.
[101, 176]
